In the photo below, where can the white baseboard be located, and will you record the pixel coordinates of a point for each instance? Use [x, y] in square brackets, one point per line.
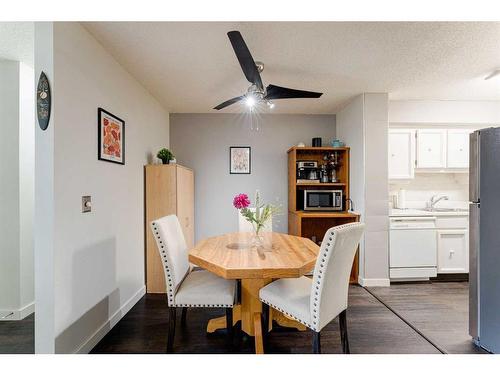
[94, 339]
[20, 314]
[27, 310]
[373, 282]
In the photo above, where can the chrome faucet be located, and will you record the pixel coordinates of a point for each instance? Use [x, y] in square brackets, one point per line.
[436, 198]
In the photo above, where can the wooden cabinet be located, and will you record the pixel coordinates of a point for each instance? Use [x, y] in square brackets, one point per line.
[431, 148]
[457, 150]
[169, 189]
[453, 252]
[185, 203]
[401, 153]
[314, 224]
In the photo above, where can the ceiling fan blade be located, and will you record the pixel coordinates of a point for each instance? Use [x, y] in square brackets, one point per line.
[245, 58]
[229, 102]
[278, 92]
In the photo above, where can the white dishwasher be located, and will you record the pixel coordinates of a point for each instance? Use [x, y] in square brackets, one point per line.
[412, 248]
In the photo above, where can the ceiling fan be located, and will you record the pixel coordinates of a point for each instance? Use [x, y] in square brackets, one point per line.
[257, 93]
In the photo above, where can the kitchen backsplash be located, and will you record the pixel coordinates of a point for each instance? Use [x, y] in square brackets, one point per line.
[420, 189]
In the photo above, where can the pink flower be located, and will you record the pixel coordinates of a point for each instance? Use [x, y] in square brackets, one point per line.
[241, 201]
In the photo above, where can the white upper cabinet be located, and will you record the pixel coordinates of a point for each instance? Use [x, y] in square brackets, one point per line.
[401, 153]
[431, 148]
[457, 153]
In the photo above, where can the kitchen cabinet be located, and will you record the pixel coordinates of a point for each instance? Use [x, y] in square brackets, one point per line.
[452, 251]
[401, 153]
[431, 148]
[457, 150]
[427, 244]
[427, 149]
[453, 244]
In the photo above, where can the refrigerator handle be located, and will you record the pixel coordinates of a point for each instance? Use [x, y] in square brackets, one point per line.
[474, 155]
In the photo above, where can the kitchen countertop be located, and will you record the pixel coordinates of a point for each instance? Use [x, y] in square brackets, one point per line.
[396, 212]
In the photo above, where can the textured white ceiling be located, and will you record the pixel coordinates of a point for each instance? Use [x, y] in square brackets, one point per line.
[16, 41]
[191, 67]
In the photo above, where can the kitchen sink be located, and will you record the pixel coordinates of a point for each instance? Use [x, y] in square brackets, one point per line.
[442, 209]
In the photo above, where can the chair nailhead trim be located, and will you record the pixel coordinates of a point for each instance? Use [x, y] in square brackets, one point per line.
[287, 313]
[199, 305]
[169, 273]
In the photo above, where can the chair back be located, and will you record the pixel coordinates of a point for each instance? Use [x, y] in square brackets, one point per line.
[172, 246]
[332, 271]
[245, 226]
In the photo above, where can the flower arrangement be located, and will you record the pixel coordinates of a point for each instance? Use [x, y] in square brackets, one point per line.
[258, 216]
[165, 155]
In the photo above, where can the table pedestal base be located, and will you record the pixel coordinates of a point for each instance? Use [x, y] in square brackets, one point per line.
[249, 313]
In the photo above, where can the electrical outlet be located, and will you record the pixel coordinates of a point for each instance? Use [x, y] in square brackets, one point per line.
[86, 203]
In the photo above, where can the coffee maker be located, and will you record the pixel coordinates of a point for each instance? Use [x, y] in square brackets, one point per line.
[307, 171]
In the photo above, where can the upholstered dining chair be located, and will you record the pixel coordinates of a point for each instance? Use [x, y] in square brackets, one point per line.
[316, 302]
[187, 287]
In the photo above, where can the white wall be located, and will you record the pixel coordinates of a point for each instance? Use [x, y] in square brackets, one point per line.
[377, 209]
[9, 187]
[444, 112]
[26, 184]
[363, 125]
[99, 256]
[16, 189]
[44, 232]
[421, 188]
[350, 129]
[202, 141]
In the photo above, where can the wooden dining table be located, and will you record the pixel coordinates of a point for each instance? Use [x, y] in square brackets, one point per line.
[235, 256]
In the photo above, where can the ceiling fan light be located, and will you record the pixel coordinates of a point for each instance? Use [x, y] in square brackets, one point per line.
[270, 104]
[250, 101]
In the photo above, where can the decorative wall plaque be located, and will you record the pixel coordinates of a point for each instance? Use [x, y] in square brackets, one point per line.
[43, 101]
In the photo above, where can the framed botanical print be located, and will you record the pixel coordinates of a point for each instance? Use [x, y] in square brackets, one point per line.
[240, 160]
[111, 137]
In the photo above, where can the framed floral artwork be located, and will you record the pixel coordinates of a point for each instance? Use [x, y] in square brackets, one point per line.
[111, 137]
[240, 160]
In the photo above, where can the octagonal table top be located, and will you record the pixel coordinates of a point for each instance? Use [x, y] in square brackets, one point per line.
[231, 256]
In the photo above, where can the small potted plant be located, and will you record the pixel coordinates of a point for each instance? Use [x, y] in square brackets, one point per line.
[165, 155]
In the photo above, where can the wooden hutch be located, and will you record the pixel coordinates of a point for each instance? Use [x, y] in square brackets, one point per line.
[314, 224]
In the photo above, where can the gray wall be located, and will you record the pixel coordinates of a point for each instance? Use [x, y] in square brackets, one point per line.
[202, 141]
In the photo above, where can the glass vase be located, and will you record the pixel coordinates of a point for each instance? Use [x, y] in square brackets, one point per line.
[257, 240]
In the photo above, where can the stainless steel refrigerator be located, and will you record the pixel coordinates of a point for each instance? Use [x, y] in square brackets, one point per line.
[484, 239]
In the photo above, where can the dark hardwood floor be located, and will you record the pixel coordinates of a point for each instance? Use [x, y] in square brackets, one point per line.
[437, 309]
[372, 329]
[18, 336]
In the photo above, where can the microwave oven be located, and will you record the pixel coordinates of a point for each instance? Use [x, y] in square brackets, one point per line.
[322, 200]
